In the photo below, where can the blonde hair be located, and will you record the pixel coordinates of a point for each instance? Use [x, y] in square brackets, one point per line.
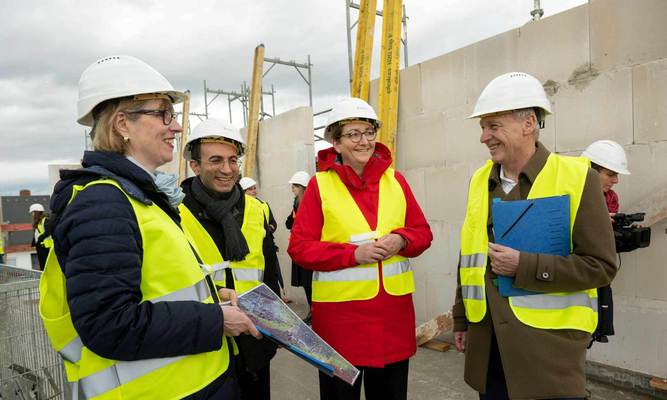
[105, 137]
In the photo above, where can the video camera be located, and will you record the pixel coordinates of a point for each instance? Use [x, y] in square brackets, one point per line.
[629, 237]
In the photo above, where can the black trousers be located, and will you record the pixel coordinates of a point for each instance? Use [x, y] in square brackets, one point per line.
[255, 386]
[496, 386]
[309, 295]
[388, 383]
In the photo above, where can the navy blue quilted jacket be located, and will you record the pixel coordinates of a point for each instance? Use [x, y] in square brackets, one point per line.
[99, 248]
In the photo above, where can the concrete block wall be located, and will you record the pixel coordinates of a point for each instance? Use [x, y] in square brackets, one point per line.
[285, 145]
[605, 69]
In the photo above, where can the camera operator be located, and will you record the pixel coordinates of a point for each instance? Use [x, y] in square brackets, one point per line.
[609, 160]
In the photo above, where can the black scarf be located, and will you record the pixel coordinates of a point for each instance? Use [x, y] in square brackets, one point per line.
[221, 209]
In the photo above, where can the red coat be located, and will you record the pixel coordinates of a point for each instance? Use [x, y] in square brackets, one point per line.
[369, 333]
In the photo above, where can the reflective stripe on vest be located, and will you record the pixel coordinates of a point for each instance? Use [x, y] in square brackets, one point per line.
[47, 242]
[574, 310]
[170, 272]
[247, 273]
[345, 223]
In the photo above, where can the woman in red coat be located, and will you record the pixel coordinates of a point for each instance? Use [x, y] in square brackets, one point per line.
[358, 224]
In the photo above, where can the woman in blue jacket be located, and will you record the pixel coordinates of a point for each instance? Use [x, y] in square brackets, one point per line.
[124, 300]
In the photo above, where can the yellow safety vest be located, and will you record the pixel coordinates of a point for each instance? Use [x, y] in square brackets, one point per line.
[169, 272]
[247, 273]
[47, 242]
[561, 175]
[345, 223]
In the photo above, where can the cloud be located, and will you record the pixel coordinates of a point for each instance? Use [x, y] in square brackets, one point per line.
[46, 45]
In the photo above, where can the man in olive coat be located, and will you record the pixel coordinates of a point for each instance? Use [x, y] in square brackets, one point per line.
[534, 359]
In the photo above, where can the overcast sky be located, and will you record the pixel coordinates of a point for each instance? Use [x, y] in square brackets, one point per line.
[45, 45]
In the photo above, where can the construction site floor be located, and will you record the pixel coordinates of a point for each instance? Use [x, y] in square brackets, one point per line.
[433, 375]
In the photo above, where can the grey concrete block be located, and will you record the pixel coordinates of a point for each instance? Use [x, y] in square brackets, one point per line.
[446, 192]
[649, 89]
[625, 33]
[551, 48]
[420, 141]
[596, 106]
[410, 92]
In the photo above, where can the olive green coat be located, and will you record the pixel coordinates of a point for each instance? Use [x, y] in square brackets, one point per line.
[541, 363]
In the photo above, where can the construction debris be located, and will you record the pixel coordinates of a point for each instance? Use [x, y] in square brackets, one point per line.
[436, 326]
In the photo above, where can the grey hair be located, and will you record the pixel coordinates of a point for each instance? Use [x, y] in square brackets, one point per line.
[525, 113]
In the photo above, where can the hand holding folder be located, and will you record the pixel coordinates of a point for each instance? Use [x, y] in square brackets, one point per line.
[533, 226]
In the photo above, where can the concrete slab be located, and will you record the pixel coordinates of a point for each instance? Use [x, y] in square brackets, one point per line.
[487, 59]
[443, 82]
[650, 269]
[593, 106]
[415, 178]
[462, 138]
[421, 141]
[623, 350]
[627, 33]
[647, 162]
[410, 92]
[567, 34]
[446, 196]
[649, 90]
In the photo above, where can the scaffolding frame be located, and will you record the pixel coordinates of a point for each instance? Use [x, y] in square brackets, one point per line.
[243, 97]
[297, 66]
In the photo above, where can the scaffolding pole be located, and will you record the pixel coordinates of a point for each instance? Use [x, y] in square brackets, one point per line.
[253, 114]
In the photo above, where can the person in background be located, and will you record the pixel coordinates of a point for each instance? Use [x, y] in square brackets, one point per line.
[249, 186]
[2, 248]
[609, 160]
[357, 227]
[41, 240]
[125, 301]
[300, 276]
[533, 346]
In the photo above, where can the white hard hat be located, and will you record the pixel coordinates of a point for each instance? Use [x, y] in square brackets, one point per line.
[36, 207]
[246, 183]
[300, 178]
[350, 109]
[608, 154]
[216, 130]
[116, 77]
[512, 91]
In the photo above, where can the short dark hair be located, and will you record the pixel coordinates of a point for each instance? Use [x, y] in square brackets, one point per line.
[195, 151]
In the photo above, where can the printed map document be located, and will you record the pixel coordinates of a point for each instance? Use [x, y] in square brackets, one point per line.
[276, 321]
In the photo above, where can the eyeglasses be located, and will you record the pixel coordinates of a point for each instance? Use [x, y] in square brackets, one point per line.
[355, 135]
[166, 115]
[216, 162]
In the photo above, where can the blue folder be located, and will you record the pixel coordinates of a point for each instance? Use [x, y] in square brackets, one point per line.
[533, 226]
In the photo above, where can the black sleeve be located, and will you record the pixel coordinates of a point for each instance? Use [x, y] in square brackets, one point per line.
[271, 265]
[289, 222]
[272, 220]
[99, 246]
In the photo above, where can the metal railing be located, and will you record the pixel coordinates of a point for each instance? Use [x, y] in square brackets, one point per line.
[29, 367]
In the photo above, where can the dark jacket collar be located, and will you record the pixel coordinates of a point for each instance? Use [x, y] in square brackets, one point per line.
[529, 171]
[378, 163]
